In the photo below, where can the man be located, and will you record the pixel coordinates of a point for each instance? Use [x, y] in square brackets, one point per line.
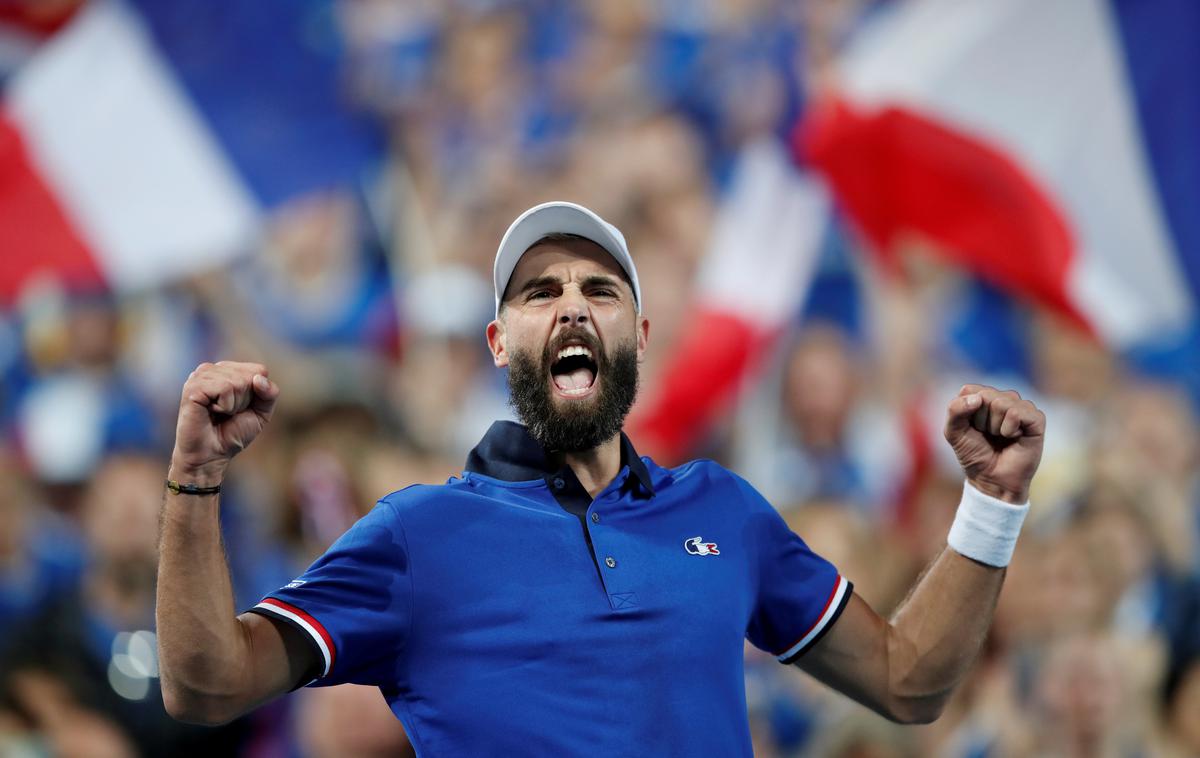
[564, 596]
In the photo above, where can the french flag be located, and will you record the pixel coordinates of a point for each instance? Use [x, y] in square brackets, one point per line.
[146, 140]
[757, 270]
[1050, 147]
[1053, 148]
[25, 25]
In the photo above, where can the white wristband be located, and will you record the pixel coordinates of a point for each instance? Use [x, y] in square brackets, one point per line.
[986, 528]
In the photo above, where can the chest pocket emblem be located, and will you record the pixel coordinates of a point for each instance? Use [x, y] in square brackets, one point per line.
[697, 546]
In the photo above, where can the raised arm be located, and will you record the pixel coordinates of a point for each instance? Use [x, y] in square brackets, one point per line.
[214, 665]
[906, 669]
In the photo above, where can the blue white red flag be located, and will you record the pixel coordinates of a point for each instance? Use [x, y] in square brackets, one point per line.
[757, 270]
[1051, 147]
[146, 140]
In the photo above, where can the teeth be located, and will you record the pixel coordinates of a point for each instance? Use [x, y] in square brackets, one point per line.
[579, 391]
[574, 350]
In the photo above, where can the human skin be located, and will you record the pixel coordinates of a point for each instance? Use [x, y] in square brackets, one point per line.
[562, 286]
[216, 666]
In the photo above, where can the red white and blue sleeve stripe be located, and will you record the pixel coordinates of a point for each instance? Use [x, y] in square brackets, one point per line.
[289, 613]
[839, 596]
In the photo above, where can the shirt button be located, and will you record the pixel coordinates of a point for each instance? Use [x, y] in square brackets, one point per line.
[610, 562]
[595, 518]
[559, 483]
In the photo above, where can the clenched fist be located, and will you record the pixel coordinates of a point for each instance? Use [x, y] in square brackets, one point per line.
[224, 406]
[997, 438]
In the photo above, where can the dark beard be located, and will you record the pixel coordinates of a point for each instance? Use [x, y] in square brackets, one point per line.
[582, 426]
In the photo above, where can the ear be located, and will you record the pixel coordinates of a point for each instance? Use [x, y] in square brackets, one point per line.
[643, 336]
[497, 343]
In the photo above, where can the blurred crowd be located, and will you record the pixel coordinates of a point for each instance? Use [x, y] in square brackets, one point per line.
[369, 305]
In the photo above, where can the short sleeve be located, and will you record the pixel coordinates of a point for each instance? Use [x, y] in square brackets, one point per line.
[799, 595]
[354, 604]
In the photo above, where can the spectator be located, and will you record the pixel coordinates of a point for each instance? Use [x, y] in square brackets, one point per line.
[86, 666]
[359, 297]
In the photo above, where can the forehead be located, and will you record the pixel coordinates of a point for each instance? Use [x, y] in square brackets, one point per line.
[565, 259]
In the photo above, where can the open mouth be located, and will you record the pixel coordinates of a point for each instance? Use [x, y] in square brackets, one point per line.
[574, 371]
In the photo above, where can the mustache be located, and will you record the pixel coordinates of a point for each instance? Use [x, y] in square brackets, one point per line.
[577, 336]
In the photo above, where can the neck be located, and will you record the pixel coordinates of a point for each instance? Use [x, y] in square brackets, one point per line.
[596, 468]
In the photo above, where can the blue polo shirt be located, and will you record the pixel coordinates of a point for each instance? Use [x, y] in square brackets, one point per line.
[506, 612]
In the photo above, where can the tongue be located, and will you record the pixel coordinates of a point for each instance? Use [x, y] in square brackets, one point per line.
[574, 380]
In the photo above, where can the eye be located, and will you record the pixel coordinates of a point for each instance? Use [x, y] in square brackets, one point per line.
[602, 292]
[539, 294]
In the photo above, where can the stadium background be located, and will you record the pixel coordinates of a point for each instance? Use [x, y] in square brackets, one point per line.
[803, 333]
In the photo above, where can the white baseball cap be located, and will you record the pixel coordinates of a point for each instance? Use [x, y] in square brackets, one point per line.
[560, 217]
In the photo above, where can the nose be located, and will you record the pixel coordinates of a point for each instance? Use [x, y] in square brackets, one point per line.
[572, 312]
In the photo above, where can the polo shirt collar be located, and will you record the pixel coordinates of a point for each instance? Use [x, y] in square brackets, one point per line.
[509, 453]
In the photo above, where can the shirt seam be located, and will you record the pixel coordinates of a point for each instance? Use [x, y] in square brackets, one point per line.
[746, 509]
[410, 727]
[687, 468]
[412, 593]
[521, 485]
[837, 579]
